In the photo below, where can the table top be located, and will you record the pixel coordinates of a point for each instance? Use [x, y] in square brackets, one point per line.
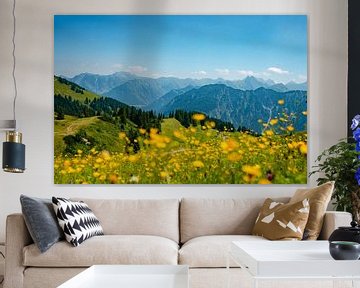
[131, 276]
[291, 259]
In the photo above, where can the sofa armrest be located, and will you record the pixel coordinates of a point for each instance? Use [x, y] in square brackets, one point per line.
[333, 220]
[17, 237]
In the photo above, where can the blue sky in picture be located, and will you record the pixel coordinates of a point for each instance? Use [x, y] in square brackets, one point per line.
[185, 46]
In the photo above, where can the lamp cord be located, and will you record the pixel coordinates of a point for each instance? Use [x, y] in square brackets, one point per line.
[14, 60]
[2, 280]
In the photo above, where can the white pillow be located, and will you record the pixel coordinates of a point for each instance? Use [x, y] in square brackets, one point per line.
[76, 220]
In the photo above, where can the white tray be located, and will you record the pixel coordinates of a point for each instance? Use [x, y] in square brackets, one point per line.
[131, 276]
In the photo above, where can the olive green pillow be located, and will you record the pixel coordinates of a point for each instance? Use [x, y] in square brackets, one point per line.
[319, 198]
[279, 221]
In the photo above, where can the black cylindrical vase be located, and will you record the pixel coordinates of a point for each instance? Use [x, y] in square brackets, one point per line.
[13, 153]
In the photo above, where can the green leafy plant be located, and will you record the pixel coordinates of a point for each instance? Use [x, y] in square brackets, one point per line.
[341, 163]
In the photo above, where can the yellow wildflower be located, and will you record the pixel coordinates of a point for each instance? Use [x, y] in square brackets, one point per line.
[252, 170]
[105, 155]
[269, 132]
[164, 174]
[234, 157]
[290, 128]
[281, 102]
[198, 117]
[160, 145]
[198, 164]
[229, 145]
[133, 158]
[154, 130]
[274, 121]
[303, 148]
[178, 134]
[142, 131]
[264, 181]
[113, 178]
[210, 124]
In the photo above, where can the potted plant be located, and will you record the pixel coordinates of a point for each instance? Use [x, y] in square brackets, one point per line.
[341, 163]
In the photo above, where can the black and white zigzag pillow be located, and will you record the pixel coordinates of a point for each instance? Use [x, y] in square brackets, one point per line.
[77, 220]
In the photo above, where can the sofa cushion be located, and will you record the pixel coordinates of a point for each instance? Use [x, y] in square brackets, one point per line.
[279, 221]
[211, 251]
[77, 220]
[107, 249]
[158, 217]
[319, 198]
[41, 221]
[201, 217]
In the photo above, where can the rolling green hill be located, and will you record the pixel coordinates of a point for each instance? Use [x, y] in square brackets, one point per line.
[66, 88]
[104, 133]
[169, 125]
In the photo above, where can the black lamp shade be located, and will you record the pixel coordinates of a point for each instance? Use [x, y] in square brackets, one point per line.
[13, 157]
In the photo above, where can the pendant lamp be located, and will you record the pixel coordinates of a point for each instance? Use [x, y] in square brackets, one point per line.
[13, 159]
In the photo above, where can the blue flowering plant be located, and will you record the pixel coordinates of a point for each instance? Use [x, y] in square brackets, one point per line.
[341, 163]
[355, 126]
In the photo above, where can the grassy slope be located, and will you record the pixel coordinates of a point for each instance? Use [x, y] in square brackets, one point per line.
[64, 90]
[169, 125]
[105, 133]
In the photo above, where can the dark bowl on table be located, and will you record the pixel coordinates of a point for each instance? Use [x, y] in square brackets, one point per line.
[344, 250]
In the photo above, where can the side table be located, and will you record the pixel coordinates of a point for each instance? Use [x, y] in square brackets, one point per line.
[293, 264]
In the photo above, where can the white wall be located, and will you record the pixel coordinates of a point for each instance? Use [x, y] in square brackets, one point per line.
[327, 88]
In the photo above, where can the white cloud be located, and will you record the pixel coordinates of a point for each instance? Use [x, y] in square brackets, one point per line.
[222, 71]
[136, 69]
[118, 66]
[200, 73]
[302, 78]
[246, 72]
[277, 70]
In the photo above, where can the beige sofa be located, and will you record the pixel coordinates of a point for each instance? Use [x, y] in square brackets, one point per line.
[194, 232]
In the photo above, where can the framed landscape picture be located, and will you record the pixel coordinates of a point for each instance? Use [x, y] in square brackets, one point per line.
[190, 99]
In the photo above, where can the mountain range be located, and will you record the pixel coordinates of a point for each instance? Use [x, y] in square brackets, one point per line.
[141, 91]
[241, 102]
[241, 108]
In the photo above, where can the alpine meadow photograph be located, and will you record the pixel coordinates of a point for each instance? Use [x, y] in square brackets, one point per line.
[180, 99]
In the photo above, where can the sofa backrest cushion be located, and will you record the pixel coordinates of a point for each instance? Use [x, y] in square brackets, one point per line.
[159, 217]
[200, 217]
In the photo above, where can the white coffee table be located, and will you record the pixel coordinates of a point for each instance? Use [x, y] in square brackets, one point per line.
[292, 260]
[131, 276]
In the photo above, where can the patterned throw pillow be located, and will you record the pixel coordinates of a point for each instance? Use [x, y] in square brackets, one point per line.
[319, 198]
[279, 221]
[77, 220]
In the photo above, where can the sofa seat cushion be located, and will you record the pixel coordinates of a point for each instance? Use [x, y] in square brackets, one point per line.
[206, 217]
[107, 249]
[211, 251]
